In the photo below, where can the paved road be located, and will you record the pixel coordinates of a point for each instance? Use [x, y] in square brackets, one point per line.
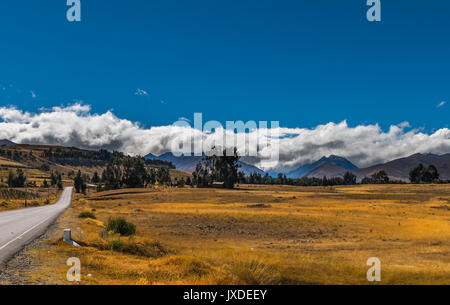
[19, 227]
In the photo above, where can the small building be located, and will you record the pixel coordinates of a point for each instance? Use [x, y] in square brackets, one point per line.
[218, 185]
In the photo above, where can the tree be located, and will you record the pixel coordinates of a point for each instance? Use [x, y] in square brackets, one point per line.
[59, 183]
[112, 175]
[415, 175]
[95, 178]
[163, 176]
[53, 178]
[380, 177]
[280, 178]
[79, 183]
[188, 181]
[215, 168]
[420, 174]
[11, 179]
[179, 182]
[349, 178]
[366, 180]
[432, 174]
[18, 179]
[151, 177]
[201, 174]
[134, 172]
[241, 177]
[226, 168]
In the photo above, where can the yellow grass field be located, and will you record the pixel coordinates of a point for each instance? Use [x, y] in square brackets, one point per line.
[256, 235]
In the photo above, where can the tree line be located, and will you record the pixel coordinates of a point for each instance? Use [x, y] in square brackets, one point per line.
[419, 174]
[125, 172]
[18, 179]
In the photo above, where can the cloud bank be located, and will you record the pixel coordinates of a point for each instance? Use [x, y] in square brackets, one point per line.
[77, 126]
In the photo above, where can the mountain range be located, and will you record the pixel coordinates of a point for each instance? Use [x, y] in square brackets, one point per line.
[399, 169]
[188, 163]
[332, 166]
[6, 142]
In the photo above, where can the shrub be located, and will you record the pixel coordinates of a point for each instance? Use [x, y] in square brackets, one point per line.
[152, 249]
[121, 226]
[87, 215]
[33, 204]
[188, 265]
[115, 245]
[255, 273]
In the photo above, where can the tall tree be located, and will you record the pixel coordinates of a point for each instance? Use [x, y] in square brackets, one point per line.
[112, 175]
[380, 177]
[134, 172]
[79, 183]
[215, 168]
[349, 178]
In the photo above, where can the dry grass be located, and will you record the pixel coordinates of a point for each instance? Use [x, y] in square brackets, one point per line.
[257, 235]
[14, 198]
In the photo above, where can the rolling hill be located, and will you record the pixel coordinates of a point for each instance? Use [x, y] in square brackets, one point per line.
[399, 169]
[332, 166]
[327, 169]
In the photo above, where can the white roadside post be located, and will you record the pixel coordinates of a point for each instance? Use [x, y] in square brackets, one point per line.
[68, 238]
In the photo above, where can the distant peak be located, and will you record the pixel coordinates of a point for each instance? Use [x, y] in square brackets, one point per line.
[331, 157]
[6, 142]
[336, 157]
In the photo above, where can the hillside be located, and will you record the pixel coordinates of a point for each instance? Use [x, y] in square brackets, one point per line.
[65, 160]
[399, 169]
[335, 165]
[38, 161]
[326, 169]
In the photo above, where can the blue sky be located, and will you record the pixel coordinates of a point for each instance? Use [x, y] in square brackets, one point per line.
[302, 63]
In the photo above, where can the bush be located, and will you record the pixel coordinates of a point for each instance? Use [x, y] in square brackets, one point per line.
[152, 249]
[121, 226]
[87, 215]
[115, 245]
[255, 273]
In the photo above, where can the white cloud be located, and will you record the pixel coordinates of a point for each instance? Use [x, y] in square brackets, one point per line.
[141, 92]
[75, 125]
[441, 104]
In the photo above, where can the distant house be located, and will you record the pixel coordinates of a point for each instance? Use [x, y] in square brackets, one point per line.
[218, 185]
